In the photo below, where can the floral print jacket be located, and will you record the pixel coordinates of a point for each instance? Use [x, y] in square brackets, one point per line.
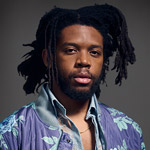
[24, 130]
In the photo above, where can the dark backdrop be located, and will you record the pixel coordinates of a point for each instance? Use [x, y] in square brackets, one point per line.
[18, 23]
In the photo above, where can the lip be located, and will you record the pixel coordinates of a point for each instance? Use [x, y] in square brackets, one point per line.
[82, 78]
[83, 75]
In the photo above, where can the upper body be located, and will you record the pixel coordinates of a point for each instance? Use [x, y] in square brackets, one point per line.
[37, 126]
[71, 53]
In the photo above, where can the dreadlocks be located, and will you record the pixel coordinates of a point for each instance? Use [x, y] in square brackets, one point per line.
[108, 20]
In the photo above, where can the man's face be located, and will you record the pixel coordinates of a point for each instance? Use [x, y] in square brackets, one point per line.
[79, 61]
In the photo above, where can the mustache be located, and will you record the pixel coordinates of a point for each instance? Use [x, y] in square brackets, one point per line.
[83, 72]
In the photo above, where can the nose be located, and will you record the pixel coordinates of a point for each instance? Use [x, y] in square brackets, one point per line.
[83, 60]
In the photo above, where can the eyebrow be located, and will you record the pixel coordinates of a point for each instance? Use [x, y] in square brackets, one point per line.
[76, 45]
[96, 46]
[71, 44]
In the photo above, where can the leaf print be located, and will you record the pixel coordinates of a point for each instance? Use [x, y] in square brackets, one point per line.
[53, 128]
[2, 142]
[113, 149]
[54, 147]
[123, 147]
[120, 123]
[16, 124]
[124, 143]
[143, 146]
[137, 128]
[126, 119]
[15, 131]
[48, 140]
[7, 124]
[114, 111]
[21, 119]
[123, 121]
[52, 141]
[55, 139]
[5, 145]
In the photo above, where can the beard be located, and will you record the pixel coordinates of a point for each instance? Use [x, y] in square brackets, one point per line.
[75, 93]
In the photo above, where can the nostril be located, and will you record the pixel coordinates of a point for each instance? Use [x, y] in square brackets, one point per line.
[83, 62]
[83, 65]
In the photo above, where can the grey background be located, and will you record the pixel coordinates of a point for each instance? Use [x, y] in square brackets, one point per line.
[18, 23]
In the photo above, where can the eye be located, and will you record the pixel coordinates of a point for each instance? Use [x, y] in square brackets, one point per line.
[70, 51]
[95, 53]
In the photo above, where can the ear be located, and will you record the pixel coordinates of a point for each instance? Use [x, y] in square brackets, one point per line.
[45, 58]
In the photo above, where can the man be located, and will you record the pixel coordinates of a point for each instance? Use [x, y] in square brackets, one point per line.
[71, 54]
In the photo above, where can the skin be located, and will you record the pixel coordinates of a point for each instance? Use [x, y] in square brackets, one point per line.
[79, 52]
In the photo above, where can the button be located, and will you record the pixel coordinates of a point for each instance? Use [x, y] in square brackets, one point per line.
[68, 140]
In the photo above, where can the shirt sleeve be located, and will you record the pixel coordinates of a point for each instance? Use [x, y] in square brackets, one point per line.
[3, 144]
[142, 143]
[9, 133]
[8, 141]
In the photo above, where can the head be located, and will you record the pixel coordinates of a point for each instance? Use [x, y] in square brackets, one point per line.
[104, 21]
[79, 61]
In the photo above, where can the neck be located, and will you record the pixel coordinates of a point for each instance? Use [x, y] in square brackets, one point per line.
[73, 107]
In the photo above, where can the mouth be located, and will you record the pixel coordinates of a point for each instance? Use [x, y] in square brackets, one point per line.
[82, 78]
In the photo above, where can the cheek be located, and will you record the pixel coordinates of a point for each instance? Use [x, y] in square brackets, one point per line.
[64, 66]
[98, 71]
[97, 67]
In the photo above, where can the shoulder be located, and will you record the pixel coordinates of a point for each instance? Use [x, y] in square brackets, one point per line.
[16, 118]
[122, 126]
[120, 119]
[11, 126]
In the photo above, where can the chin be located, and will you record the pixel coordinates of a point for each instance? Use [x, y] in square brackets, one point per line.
[79, 94]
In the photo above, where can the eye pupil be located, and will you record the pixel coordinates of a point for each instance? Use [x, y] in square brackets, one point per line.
[94, 52]
[70, 51]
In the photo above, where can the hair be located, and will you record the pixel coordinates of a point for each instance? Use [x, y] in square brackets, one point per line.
[107, 19]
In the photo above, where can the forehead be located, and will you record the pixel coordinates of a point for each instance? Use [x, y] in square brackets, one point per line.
[80, 33]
